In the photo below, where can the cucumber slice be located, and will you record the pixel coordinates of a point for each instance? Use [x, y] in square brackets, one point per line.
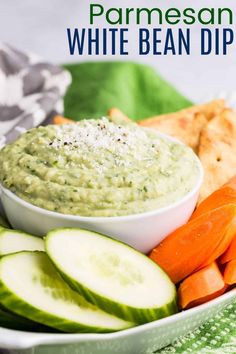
[31, 287]
[13, 321]
[112, 275]
[12, 241]
[4, 223]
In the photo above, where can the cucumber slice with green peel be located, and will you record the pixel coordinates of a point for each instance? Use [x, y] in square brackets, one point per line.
[112, 275]
[13, 321]
[4, 223]
[31, 287]
[12, 241]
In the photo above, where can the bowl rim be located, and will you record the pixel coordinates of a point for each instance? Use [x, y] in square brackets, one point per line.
[130, 217]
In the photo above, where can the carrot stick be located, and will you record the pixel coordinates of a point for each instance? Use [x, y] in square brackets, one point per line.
[59, 120]
[200, 287]
[225, 195]
[223, 245]
[230, 254]
[230, 273]
[197, 243]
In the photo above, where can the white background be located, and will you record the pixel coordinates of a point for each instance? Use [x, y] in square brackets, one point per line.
[40, 26]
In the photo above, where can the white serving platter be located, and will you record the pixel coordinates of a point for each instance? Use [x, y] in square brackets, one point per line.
[144, 339]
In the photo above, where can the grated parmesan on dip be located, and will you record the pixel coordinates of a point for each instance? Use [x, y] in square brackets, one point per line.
[97, 168]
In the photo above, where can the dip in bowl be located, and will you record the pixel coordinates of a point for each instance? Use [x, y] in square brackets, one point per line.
[97, 173]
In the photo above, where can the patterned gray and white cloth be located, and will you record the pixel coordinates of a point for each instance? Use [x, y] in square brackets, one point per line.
[31, 90]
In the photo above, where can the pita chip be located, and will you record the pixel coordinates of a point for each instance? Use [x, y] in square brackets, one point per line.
[186, 125]
[217, 151]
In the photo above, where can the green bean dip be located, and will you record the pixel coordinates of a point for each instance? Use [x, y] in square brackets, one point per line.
[98, 168]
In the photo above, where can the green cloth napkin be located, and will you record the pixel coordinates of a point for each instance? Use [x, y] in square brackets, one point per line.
[140, 92]
[217, 336]
[134, 88]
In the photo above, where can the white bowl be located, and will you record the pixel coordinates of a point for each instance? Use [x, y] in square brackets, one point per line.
[142, 231]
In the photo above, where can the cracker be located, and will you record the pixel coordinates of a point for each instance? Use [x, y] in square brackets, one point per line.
[217, 152]
[118, 117]
[186, 125]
